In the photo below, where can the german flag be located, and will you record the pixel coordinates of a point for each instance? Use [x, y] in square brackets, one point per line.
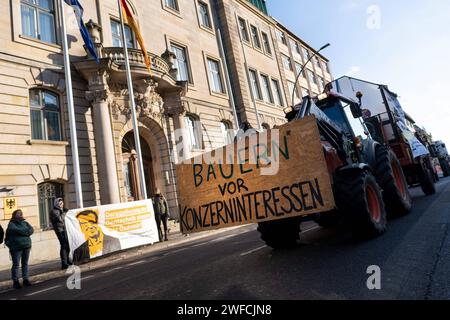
[131, 21]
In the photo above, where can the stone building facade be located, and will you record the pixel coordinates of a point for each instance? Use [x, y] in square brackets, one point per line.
[187, 89]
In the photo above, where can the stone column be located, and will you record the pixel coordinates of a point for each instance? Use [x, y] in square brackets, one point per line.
[104, 144]
[174, 108]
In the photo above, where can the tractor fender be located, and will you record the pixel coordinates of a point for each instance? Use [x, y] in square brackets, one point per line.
[370, 148]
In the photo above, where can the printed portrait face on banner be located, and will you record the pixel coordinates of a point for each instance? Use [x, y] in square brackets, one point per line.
[92, 231]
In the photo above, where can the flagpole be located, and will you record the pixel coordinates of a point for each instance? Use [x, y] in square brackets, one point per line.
[71, 111]
[133, 106]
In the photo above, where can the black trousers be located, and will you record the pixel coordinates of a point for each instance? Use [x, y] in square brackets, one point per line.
[164, 219]
[65, 249]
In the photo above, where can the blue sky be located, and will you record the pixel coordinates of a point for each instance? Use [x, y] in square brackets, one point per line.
[402, 43]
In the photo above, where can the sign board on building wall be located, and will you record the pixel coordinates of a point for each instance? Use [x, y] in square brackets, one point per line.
[9, 206]
[274, 175]
[97, 231]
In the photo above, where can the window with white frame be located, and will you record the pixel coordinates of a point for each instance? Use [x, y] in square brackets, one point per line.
[295, 46]
[45, 115]
[255, 37]
[205, 18]
[116, 31]
[227, 132]
[266, 43]
[277, 92]
[312, 77]
[181, 63]
[298, 69]
[172, 4]
[281, 37]
[215, 76]
[286, 62]
[193, 126]
[306, 54]
[293, 90]
[244, 30]
[254, 84]
[38, 19]
[266, 89]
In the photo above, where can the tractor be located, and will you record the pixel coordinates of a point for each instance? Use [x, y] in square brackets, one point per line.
[439, 151]
[367, 178]
[389, 125]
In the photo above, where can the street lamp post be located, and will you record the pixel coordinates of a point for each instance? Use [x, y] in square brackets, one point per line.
[303, 68]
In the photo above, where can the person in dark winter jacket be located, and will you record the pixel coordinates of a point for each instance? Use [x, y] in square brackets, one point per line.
[2, 234]
[18, 240]
[161, 209]
[57, 216]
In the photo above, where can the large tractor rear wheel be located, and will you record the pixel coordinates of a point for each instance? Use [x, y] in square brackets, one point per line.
[280, 234]
[360, 200]
[392, 180]
[427, 182]
[445, 167]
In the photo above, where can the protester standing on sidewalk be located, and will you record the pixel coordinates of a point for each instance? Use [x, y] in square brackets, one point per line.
[57, 216]
[18, 240]
[161, 214]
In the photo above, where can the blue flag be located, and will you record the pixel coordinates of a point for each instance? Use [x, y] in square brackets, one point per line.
[78, 9]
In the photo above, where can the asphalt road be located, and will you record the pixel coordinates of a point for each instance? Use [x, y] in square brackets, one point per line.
[414, 257]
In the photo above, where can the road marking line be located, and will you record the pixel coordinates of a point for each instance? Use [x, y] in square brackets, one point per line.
[115, 269]
[312, 229]
[136, 263]
[88, 277]
[199, 245]
[252, 251]
[42, 291]
[224, 238]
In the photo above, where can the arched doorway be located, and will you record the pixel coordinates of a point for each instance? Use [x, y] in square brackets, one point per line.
[131, 170]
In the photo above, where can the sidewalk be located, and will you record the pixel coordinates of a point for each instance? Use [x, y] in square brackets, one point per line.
[52, 269]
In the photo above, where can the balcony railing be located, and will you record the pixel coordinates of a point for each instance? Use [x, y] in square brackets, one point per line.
[136, 58]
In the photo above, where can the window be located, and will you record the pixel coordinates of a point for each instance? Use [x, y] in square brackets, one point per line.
[172, 4]
[286, 62]
[45, 116]
[327, 67]
[277, 93]
[266, 89]
[244, 30]
[298, 68]
[193, 125]
[281, 37]
[215, 76]
[295, 47]
[47, 193]
[312, 77]
[181, 63]
[306, 54]
[117, 35]
[266, 42]
[293, 89]
[38, 19]
[255, 37]
[318, 65]
[305, 92]
[254, 84]
[227, 132]
[205, 19]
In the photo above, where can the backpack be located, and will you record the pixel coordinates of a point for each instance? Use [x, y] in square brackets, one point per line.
[2, 234]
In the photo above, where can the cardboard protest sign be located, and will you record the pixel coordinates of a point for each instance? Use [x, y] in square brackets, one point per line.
[94, 232]
[273, 175]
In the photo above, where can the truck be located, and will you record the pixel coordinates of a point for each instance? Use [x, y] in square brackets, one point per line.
[368, 181]
[387, 123]
[439, 151]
